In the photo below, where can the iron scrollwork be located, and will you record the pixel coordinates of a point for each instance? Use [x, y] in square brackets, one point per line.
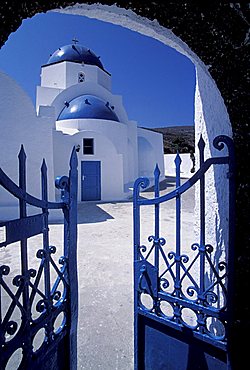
[185, 298]
[31, 301]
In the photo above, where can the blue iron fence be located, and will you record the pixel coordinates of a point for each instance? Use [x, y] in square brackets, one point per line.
[166, 340]
[40, 299]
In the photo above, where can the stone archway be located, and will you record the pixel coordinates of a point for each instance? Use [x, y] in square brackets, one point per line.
[217, 33]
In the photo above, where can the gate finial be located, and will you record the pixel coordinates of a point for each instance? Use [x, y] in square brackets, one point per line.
[44, 167]
[157, 171]
[201, 144]
[177, 162]
[22, 154]
[44, 180]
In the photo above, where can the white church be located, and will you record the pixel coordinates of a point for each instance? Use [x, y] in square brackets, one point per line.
[75, 106]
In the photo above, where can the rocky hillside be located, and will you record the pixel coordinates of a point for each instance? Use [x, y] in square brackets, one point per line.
[177, 138]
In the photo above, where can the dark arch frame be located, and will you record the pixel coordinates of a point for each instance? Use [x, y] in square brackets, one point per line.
[217, 32]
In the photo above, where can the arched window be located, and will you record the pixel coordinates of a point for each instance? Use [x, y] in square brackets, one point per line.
[81, 77]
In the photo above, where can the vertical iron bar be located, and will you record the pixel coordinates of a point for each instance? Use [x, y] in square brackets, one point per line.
[201, 146]
[143, 183]
[23, 214]
[157, 214]
[178, 225]
[44, 186]
[45, 230]
[231, 243]
[157, 231]
[70, 251]
[136, 219]
[24, 259]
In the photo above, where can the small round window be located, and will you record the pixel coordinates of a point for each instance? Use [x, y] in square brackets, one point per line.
[81, 77]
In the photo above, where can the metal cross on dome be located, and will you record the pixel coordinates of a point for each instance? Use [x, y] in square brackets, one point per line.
[75, 41]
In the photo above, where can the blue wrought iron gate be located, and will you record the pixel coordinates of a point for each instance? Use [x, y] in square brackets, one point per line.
[163, 337]
[47, 306]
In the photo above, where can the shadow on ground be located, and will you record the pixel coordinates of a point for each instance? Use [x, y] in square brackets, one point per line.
[87, 213]
[169, 182]
[91, 213]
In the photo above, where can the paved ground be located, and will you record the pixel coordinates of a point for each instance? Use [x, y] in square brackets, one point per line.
[105, 248]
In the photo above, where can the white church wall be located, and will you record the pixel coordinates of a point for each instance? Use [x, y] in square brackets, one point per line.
[150, 148]
[45, 96]
[146, 158]
[53, 83]
[20, 125]
[54, 75]
[112, 180]
[91, 89]
[118, 133]
[114, 131]
[104, 151]
[73, 69]
[132, 168]
[186, 165]
[104, 79]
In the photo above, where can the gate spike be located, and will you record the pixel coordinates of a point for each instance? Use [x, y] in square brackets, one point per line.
[201, 146]
[22, 154]
[178, 169]
[201, 143]
[157, 171]
[44, 167]
[22, 168]
[177, 160]
[44, 180]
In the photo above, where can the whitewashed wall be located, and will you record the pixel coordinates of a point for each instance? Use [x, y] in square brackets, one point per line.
[58, 72]
[57, 77]
[186, 165]
[211, 120]
[20, 125]
[105, 151]
[92, 89]
[150, 153]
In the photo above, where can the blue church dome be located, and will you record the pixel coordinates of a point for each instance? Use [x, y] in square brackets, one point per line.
[75, 53]
[88, 106]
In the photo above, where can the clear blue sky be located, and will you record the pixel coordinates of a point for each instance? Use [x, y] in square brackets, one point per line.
[156, 82]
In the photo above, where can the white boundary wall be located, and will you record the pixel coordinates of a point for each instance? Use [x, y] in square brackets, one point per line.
[186, 165]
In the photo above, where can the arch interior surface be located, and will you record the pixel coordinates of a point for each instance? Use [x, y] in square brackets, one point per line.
[218, 34]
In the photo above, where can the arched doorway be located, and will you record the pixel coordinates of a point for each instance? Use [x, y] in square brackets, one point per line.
[224, 61]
